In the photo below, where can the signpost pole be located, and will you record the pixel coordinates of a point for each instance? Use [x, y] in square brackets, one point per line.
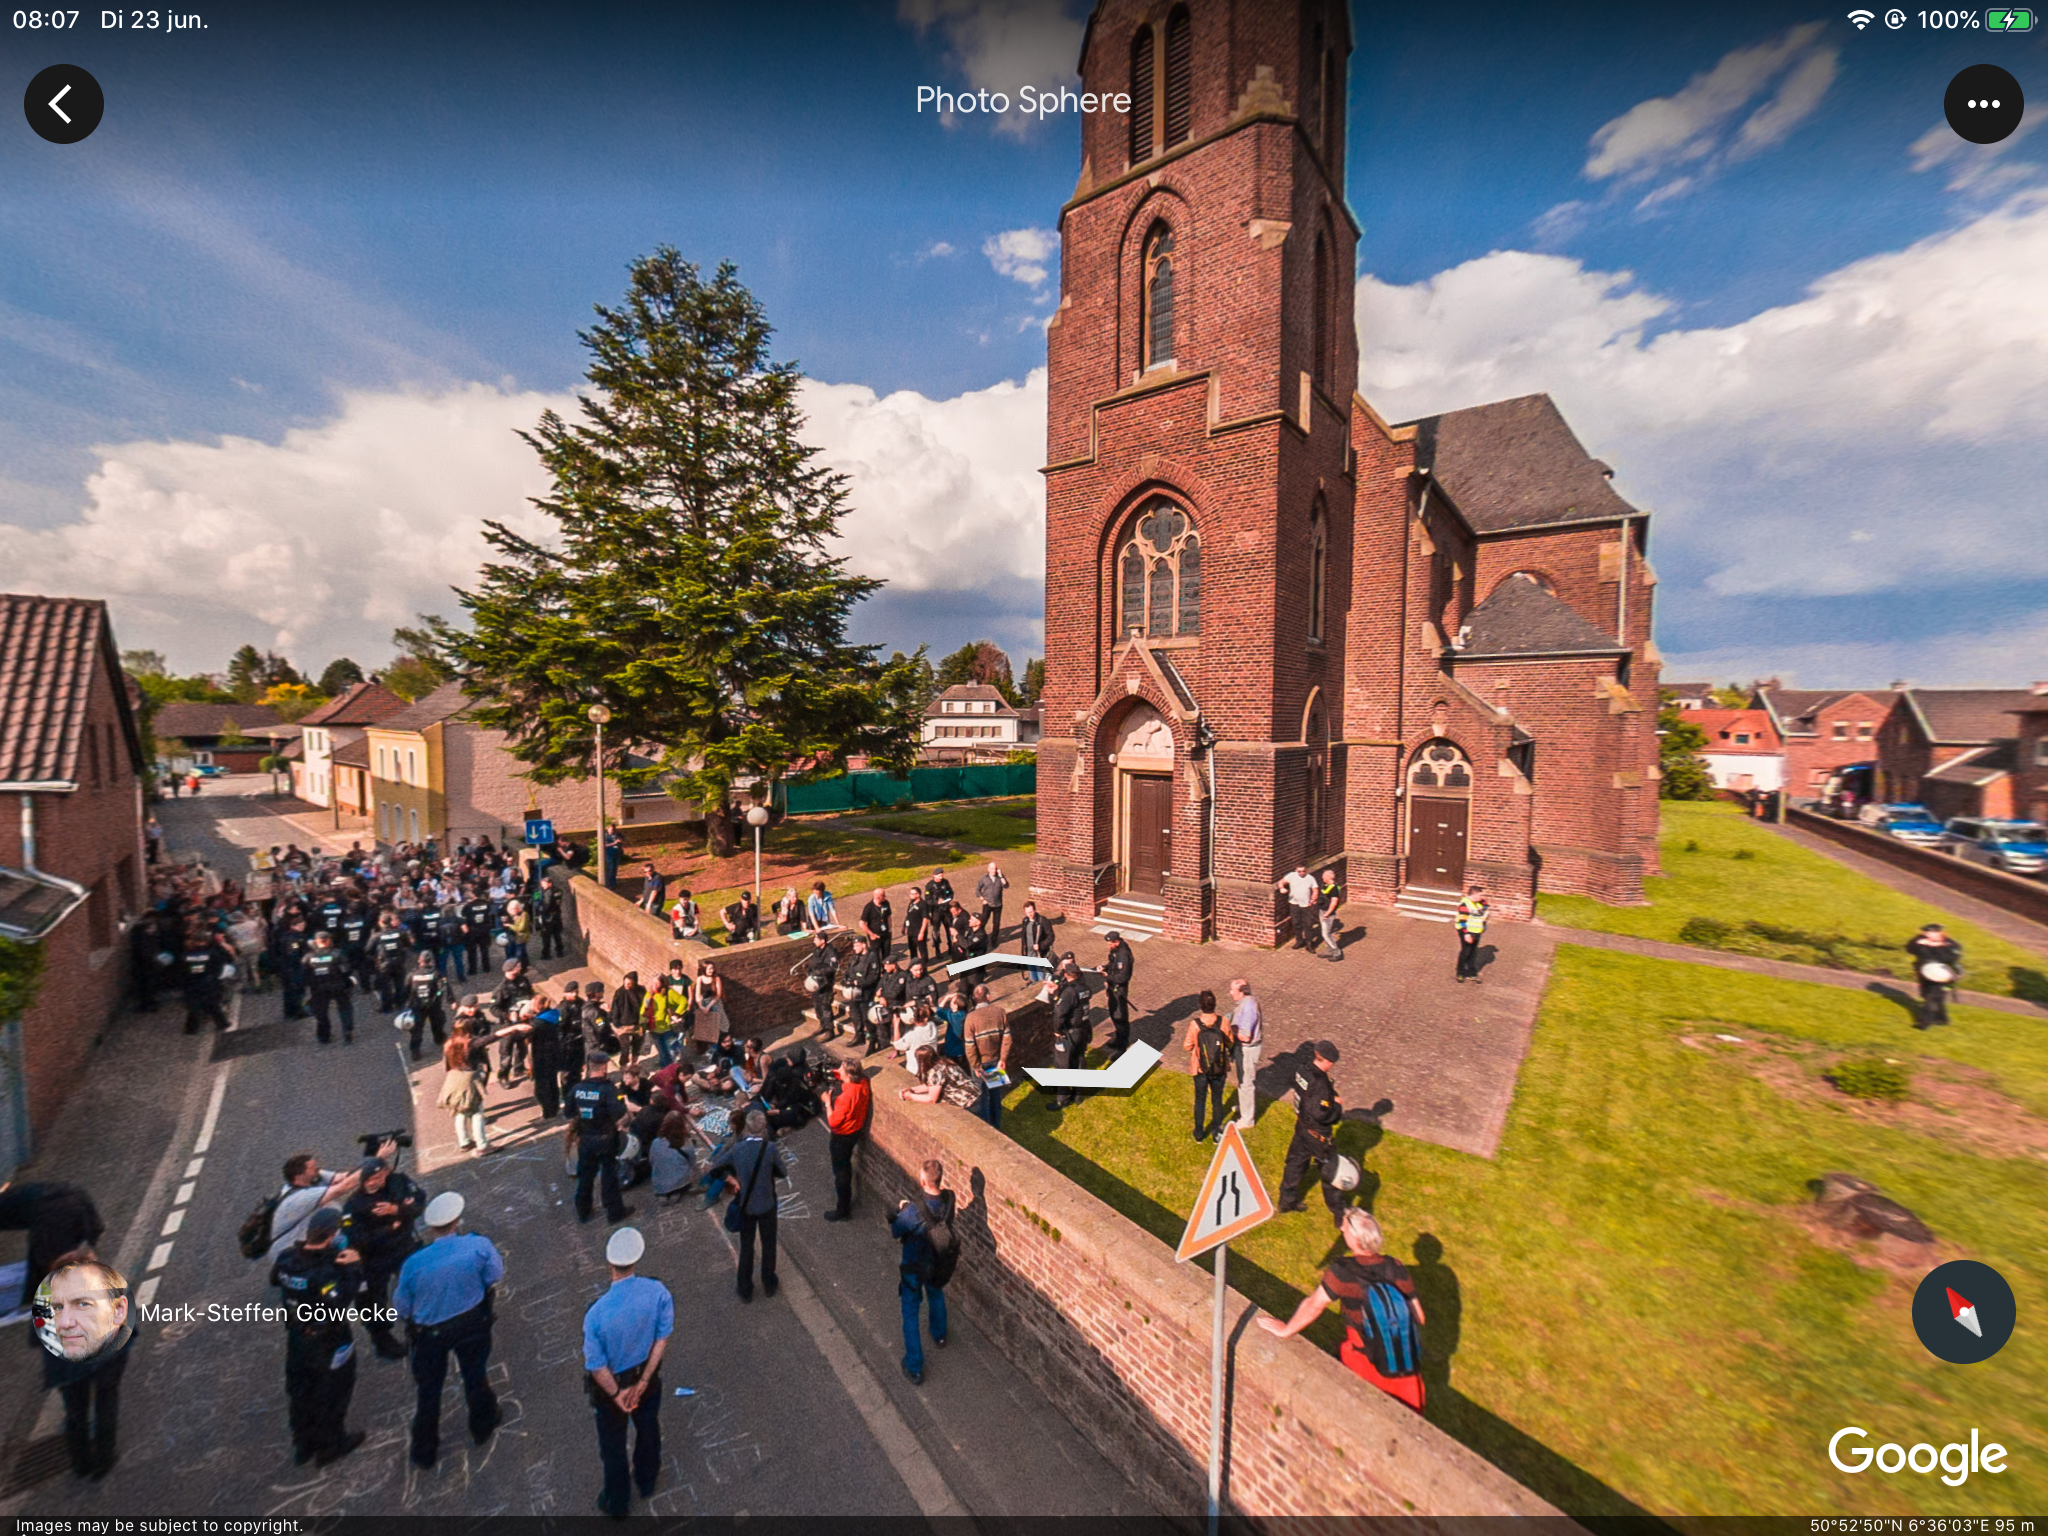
[1216, 1396]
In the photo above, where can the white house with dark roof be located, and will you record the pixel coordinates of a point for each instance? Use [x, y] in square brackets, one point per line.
[974, 720]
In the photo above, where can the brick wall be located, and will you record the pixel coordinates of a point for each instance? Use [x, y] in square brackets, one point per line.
[2015, 893]
[1099, 1315]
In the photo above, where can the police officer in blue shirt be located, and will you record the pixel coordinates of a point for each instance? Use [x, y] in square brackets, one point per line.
[444, 1296]
[625, 1334]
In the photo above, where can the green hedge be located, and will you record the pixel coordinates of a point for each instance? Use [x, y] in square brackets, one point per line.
[861, 791]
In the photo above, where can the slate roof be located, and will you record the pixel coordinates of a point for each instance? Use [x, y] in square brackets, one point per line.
[1519, 618]
[360, 704]
[1516, 464]
[49, 648]
[1983, 766]
[1967, 716]
[184, 720]
[1797, 709]
[429, 709]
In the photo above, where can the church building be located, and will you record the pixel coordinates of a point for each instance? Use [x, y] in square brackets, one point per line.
[1279, 629]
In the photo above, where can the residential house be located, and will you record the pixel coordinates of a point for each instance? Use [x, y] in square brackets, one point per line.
[1954, 750]
[1830, 736]
[71, 854]
[2030, 757]
[1743, 751]
[190, 735]
[1689, 695]
[436, 773]
[343, 784]
[974, 722]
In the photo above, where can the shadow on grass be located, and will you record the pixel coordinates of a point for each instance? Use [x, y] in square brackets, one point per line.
[1530, 1462]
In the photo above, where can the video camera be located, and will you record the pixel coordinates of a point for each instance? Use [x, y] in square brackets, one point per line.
[370, 1141]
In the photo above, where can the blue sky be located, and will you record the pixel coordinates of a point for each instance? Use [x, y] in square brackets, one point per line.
[264, 336]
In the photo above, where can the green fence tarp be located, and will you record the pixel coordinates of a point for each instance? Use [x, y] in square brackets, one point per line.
[865, 791]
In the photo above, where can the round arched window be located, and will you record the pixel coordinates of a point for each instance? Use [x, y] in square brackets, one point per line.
[1159, 574]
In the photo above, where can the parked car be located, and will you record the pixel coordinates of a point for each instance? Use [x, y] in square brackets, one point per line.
[1911, 824]
[2017, 847]
[210, 770]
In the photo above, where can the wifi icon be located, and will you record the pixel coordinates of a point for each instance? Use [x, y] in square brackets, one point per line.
[1862, 19]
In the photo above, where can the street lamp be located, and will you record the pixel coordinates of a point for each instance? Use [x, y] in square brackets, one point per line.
[757, 818]
[598, 714]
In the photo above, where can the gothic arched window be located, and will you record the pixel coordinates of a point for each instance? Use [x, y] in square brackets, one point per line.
[1158, 350]
[1180, 77]
[1333, 103]
[1318, 570]
[1159, 574]
[1142, 104]
[1319, 362]
[1440, 767]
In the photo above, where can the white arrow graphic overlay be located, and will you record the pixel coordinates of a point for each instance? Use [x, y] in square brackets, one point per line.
[57, 98]
[1125, 1072]
[961, 967]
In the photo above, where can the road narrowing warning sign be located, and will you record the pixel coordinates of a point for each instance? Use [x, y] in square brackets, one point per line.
[1232, 1202]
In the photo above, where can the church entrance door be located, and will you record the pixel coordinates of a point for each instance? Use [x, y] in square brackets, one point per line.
[1436, 842]
[1150, 846]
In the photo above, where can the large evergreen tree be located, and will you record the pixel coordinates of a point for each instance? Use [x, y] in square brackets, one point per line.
[688, 589]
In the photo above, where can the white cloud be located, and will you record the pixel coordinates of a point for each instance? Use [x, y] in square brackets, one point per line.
[2008, 656]
[936, 250]
[1979, 169]
[1023, 255]
[1001, 45]
[1686, 135]
[1904, 395]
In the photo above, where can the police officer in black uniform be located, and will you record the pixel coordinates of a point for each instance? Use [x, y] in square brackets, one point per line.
[1317, 1109]
[388, 946]
[426, 994]
[380, 1216]
[597, 1111]
[1116, 976]
[515, 989]
[892, 990]
[318, 1278]
[916, 921]
[1071, 1030]
[355, 942]
[203, 966]
[1933, 946]
[820, 966]
[544, 1042]
[477, 927]
[328, 914]
[862, 974]
[576, 1042]
[546, 908]
[331, 987]
[288, 954]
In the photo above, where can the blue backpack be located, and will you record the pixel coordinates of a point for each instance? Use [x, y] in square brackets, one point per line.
[1386, 1328]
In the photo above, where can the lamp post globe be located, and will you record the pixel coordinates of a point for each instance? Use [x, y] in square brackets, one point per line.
[757, 818]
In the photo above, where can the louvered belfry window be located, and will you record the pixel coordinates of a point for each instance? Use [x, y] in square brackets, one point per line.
[1141, 96]
[1158, 337]
[1180, 77]
[1159, 574]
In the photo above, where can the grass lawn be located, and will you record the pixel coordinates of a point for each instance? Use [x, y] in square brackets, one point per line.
[1626, 1310]
[850, 864]
[1010, 825]
[1783, 884]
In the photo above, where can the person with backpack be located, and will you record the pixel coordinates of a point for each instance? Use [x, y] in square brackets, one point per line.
[1208, 1048]
[930, 1253]
[281, 1220]
[1383, 1320]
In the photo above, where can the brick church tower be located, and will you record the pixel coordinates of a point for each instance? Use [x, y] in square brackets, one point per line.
[1207, 457]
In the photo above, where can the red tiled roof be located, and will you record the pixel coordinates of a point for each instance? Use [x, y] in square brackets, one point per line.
[49, 647]
[1756, 723]
[361, 704]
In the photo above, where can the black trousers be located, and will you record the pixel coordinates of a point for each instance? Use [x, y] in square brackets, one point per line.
[1118, 1001]
[468, 1339]
[551, 941]
[1933, 1003]
[765, 1227]
[547, 1086]
[992, 922]
[203, 1005]
[511, 1057]
[478, 946]
[317, 1393]
[1308, 1148]
[1468, 954]
[390, 987]
[326, 1003]
[424, 1019]
[92, 1416]
[611, 1448]
[919, 945]
[377, 1277]
[1307, 933]
[1076, 1041]
[598, 1164]
[1210, 1088]
[842, 1169]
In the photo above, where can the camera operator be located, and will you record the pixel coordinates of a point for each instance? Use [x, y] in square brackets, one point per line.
[307, 1187]
[380, 1217]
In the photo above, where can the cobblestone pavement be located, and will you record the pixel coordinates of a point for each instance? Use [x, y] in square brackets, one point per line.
[798, 1406]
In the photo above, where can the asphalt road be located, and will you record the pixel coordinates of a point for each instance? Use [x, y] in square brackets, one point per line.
[798, 1405]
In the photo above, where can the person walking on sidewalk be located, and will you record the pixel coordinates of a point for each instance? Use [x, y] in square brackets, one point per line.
[750, 1170]
[625, 1334]
[848, 1109]
[930, 1251]
[1471, 925]
[1208, 1049]
[1248, 1044]
[444, 1298]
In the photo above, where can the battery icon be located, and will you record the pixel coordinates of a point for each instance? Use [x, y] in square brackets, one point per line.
[2009, 21]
